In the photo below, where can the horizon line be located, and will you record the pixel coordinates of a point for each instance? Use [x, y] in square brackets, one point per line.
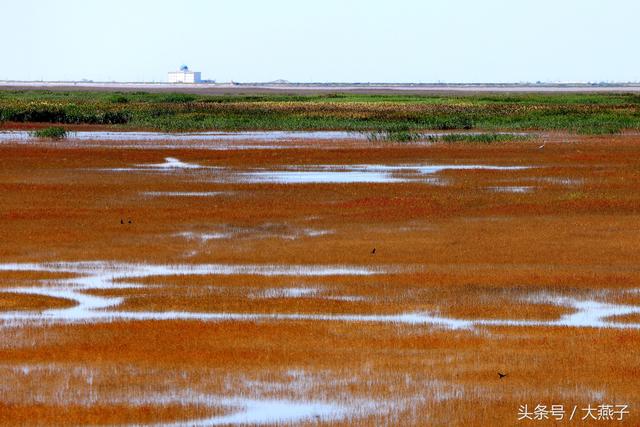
[280, 82]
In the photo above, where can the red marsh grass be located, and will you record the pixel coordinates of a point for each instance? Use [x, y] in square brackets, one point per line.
[458, 250]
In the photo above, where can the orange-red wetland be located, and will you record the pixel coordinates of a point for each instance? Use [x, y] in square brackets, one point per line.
[137, 290]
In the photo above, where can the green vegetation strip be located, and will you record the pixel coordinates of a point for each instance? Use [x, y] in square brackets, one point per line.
[52, 132]
[474, 138]
[398, 115]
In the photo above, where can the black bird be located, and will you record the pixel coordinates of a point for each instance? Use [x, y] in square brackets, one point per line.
[501, 375]
[373, 252]
[121, 221]
[129, 221]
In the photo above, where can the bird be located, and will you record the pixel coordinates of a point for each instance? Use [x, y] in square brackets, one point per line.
[129, 221]
[501, 375]
[542, 146]
[121, 221]
[373, 252]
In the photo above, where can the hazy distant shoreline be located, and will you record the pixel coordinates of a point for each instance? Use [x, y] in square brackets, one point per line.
[222, 88]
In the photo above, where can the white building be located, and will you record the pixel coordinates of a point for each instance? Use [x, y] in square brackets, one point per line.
[184, 75]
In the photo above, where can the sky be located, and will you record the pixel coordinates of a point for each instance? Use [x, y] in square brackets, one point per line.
[419, 41]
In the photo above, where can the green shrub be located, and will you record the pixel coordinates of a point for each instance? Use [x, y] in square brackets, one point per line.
[52, 132]
[177, 98]
[118, 99]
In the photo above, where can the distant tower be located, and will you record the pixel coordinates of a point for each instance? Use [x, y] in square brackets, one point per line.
[184, 75]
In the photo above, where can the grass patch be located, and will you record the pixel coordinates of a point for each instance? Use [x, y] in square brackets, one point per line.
[472, 138]
[394, 136]
[119, 99]
[480, 138]
[393, 117]
[51, 132]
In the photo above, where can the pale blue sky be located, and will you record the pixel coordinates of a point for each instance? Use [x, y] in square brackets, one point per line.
[327, 40]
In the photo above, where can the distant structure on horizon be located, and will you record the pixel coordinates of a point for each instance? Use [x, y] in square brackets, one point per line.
[184, 75]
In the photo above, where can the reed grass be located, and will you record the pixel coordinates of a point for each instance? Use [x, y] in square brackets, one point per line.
[580, 113]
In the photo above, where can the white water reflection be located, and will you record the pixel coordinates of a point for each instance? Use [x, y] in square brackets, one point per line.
[319, 174]
[285, 293]
[82, 385]
[192, 136]
[262, 135]
[264, 231]
[102, 275]
[341, 174]
[105, 275]
[269, 411]
[215, 141]
[512, 189]
[316, 293]
[204, 237]
[184, 193]
[171, 163]
[318, 177]
[562, 181]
